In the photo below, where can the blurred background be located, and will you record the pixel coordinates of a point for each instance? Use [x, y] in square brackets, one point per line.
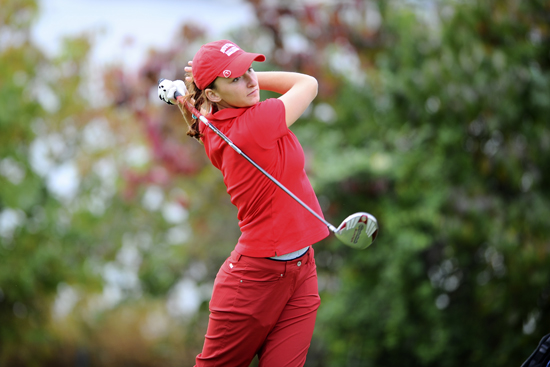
[431, 115]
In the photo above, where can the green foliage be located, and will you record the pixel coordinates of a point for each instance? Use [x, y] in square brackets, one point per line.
[435, 122]
[454, 139]
[38, 248]
[52, 239]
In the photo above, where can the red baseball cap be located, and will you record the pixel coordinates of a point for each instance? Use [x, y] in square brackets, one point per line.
[221, 58]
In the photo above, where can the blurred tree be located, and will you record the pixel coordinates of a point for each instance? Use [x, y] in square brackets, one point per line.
[431, 115]
[75, 226]
[435, 119]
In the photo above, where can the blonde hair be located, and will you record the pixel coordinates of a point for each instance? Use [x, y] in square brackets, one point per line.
[200, 101]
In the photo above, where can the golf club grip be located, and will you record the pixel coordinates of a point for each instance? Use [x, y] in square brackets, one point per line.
[181, 100]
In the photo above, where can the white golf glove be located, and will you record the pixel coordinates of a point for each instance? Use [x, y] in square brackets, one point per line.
[167, 89]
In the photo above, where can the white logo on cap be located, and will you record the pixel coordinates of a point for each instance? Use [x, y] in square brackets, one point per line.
[227, 73]
[229, 49]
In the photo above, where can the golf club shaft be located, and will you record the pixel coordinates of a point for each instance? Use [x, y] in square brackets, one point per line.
[198, 115]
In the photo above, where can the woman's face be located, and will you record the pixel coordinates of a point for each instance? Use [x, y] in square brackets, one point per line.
[242, 91]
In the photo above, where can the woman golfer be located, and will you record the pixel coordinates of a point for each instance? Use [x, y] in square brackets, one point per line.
[265, 296]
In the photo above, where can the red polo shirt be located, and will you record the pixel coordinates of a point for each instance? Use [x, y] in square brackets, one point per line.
[271, 222]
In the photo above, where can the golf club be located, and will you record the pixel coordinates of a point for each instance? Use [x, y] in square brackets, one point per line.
[358, 230]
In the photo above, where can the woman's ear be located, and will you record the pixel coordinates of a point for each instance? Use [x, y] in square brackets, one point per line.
[212, 96]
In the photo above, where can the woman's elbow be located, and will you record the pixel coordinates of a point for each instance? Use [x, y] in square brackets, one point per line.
[314, 86]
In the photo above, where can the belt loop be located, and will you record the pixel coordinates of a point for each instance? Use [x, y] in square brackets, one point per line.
[235, 256]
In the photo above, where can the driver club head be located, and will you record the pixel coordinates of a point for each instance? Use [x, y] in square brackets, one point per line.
[359, 230]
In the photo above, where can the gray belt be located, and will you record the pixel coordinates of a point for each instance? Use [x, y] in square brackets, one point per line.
[291, 255]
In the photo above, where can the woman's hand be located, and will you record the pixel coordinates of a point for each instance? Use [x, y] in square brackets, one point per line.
[189, 69]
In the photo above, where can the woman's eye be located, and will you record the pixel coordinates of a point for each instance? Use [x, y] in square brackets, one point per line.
[236, 79]
[250, 69]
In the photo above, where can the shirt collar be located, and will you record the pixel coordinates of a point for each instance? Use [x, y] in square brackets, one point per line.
[226, 114]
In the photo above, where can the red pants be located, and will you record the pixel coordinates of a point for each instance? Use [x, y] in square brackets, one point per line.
[261, 306]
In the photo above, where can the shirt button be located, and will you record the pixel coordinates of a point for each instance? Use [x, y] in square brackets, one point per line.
[299, 263]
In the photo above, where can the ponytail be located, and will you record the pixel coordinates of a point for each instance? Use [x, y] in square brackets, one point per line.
[198, 99]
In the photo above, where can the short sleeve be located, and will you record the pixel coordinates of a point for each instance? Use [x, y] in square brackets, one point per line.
[267, 122]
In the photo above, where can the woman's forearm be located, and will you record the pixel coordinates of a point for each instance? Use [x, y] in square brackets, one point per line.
[282, 81]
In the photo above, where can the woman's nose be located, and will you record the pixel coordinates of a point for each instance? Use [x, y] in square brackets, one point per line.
[250, 81]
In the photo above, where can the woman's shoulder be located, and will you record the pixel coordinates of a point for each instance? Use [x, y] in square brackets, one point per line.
[271, 107]
[270, 103]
